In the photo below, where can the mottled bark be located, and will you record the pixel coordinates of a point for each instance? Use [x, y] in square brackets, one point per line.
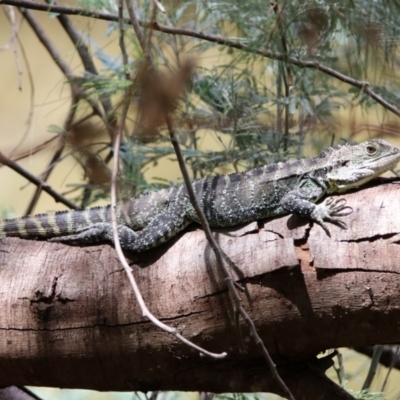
[69, 318]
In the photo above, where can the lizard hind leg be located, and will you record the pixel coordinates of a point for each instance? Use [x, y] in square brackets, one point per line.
[99, 232]
[166, 224]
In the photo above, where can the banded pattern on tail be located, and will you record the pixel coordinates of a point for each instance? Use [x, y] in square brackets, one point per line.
[53, 224]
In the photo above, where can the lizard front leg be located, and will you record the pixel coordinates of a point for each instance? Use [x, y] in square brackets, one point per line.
[298, 202]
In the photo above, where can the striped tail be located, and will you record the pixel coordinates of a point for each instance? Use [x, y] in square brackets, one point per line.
[53, 224]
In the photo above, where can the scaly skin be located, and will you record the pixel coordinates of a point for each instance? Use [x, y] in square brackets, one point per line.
[227, 200]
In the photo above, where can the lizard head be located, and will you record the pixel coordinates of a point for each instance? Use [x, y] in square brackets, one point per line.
[354, 165]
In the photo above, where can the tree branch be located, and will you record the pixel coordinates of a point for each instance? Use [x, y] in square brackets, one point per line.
[362, 85]
[36, 181]
[74, 307]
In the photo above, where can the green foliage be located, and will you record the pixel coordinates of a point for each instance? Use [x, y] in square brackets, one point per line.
[366, 395]
[256, 110]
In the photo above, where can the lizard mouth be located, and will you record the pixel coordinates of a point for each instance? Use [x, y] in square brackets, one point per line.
[368, 171]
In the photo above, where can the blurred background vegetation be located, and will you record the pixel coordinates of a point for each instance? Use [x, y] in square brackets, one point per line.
[292, 78]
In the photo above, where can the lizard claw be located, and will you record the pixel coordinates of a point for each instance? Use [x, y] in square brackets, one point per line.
[329, 211]
[336, 206]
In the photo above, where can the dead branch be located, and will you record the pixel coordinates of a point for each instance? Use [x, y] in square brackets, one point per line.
[70, 319]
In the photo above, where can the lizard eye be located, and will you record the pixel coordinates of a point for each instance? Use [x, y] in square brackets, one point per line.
[370, 149]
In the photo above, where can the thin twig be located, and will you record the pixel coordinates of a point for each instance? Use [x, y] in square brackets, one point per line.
[394, 358]
[121, 257]
[204, 223]
[89, 66]
[373, 366]
[122, 38]
[117, 244]
[340, 369]
[56, 56]
[31, 86]
[279, 57]
[13, 41]
[77, 92]
[285, 75]
[38, 182]
[57, 154]
[214, 39]
[51, 48]
[220, 260]
[148, 41]
[136, 25]
[33, 150]
[48, 44]
[78, 42]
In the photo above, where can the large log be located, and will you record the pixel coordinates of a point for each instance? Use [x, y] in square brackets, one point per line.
[69, 317]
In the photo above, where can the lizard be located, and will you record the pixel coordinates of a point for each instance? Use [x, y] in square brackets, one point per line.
[149, 220]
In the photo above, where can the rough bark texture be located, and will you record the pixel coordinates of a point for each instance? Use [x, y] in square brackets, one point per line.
[69, 318]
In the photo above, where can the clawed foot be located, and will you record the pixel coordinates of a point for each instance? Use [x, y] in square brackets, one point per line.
[91, 234]
[99, 232]
[329, 211]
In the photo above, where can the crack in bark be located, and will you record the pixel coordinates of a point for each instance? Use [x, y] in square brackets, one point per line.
[333, 271]
[280, 236]
[217, 292]
[53, 297]
[96, 325]
[373, 238]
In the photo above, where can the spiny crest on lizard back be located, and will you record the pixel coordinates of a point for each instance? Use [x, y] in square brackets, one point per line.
[371, 157]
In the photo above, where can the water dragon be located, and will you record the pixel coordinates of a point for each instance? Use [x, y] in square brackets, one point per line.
[149, 220]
